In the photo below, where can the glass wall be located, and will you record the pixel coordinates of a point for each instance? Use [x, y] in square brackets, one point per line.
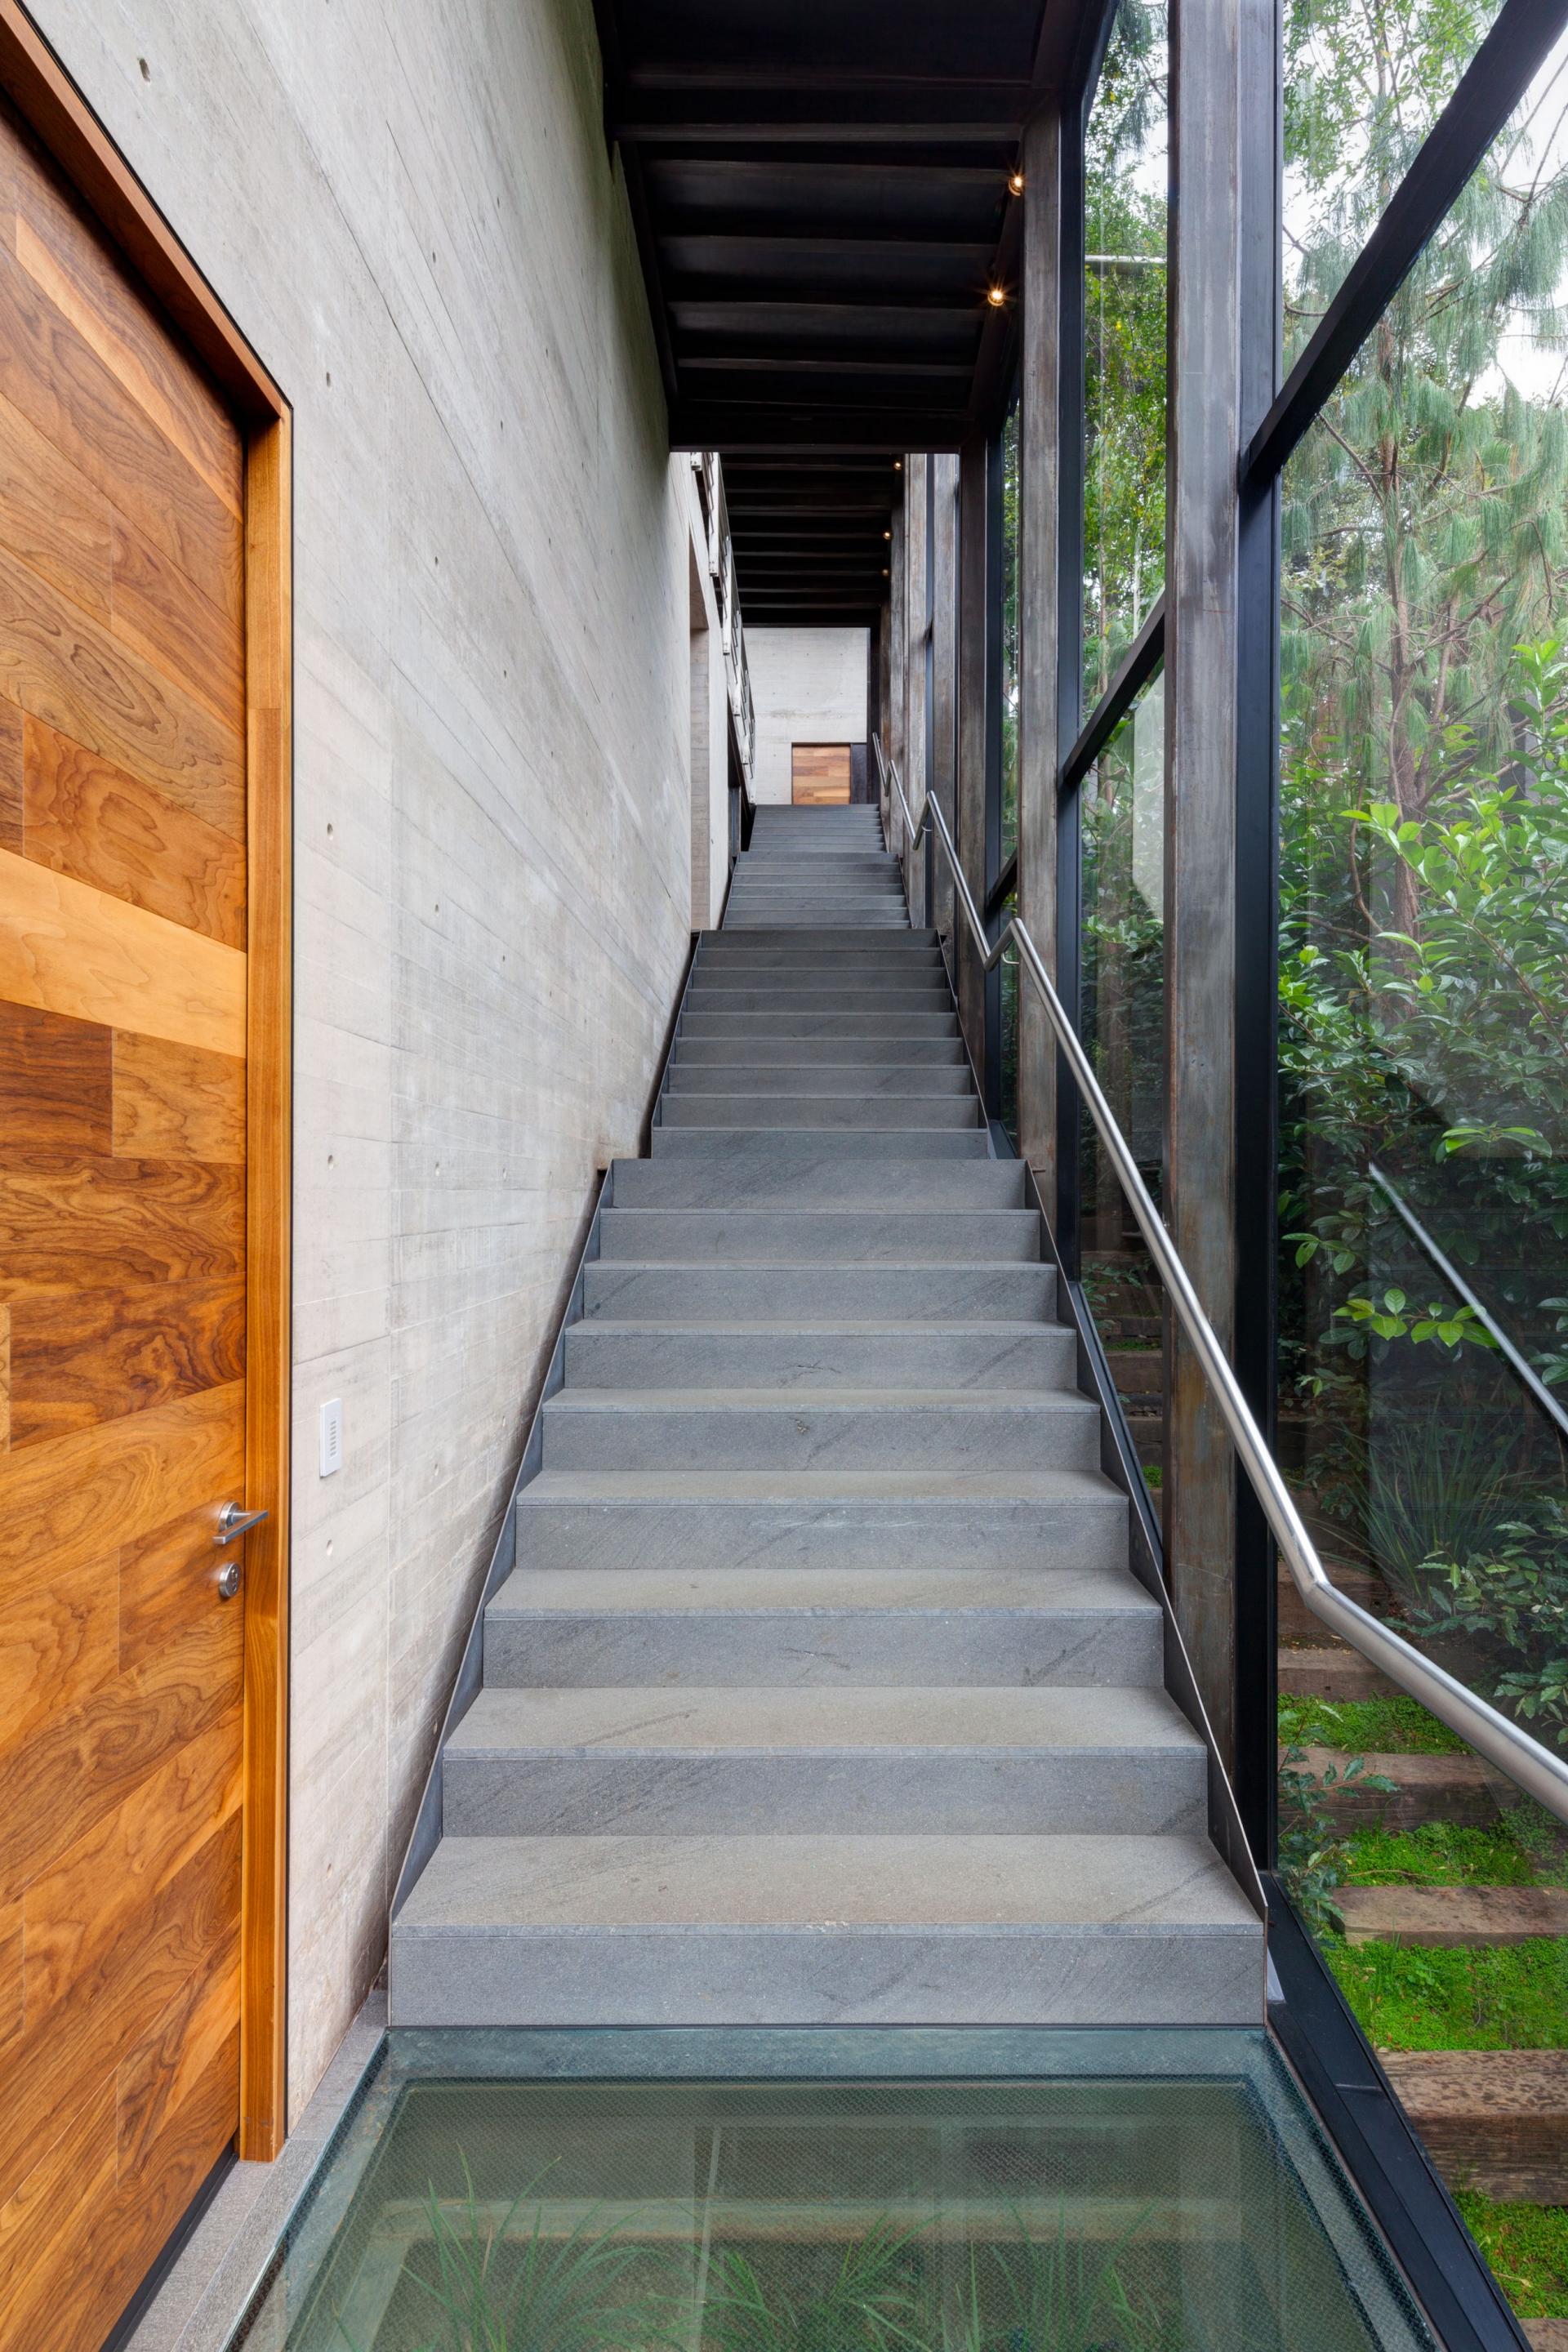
[1365, 82]
[1010, 645]
[1122, 810]
[1125, 194]
[1424, 1100]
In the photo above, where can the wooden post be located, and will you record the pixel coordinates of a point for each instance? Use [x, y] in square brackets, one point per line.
[973, 617]
[1201, 682]
[1039, 593]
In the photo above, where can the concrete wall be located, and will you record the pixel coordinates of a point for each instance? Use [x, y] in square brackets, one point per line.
[809, 687]
[709, 747]
[411, 212]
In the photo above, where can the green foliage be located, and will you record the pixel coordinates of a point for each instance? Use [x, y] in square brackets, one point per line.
[1527, 2247]
[1314, 1853]
[1062, 2295]
[1394, 1726]
[871, 2305]
[1124, 325]
[1444, 1997]
[1512, 1853]
[499, 2288]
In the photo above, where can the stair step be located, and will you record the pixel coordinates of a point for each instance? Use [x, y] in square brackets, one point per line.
[1494, 2120]
[1026, 1930]
[823, 1053]
[722, 951]
[915, 1079]
[884, 1144]
[805, 1429]
[1449, 1788]
[1336, 1673]
[828, 936]
[981, 1290]
[819, 1236]
[821, 1690]
[789, 993]
[855, 1022]
[796, 1171]
[1453, 1915]
[776, 1109]
[606, 1628]
[816, 925]
[602, 1353]
[1025, 1518]
[872, 1760]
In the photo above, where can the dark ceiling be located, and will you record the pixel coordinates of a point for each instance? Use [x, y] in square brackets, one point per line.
[822, 206]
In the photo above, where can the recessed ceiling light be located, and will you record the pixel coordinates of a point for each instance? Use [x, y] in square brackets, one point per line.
[997, 296]
[1015, 182]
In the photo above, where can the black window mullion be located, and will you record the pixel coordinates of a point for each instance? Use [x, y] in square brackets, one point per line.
[1138, 666]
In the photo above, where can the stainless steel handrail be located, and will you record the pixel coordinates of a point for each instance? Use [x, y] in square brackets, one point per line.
[1524, 1371]
[1495, 1736]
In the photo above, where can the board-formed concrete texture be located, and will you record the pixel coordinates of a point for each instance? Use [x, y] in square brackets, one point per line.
[411, 212]
[822, 1689]
[808, 686]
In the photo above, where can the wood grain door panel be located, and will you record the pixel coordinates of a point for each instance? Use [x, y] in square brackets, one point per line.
[123, 1266]
[820, 775]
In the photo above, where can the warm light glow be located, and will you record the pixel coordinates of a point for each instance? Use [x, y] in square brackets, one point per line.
[997, 296]
[887, 534]
[1017, 183]
[898, 465]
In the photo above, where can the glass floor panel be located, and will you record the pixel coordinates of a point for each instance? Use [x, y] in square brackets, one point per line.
[786, 2191]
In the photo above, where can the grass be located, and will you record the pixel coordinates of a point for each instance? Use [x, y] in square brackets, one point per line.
[1395, 1725]
[1527, 2246]
[1496, 1997]
[1518, 1851]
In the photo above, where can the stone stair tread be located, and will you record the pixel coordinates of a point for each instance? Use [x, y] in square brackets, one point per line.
[878, 1327]
[1127, 1886]
[908, 1487]
[823, 1590]
[808, 1745]
[788, 1721]
[803, 1400]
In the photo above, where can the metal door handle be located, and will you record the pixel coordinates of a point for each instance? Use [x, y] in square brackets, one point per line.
[235, 1520]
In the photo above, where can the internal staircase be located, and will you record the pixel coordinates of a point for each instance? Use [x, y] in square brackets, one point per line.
[822, 1692]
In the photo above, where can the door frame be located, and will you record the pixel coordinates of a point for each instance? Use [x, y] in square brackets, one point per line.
[61, 119]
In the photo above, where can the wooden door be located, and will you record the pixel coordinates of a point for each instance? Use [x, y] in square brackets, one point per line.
[820, 774]
[123, 1266]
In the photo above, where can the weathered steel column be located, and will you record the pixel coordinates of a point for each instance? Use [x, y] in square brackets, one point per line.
[1201, 683]
[898, 656]
[944, 663]
[913, 769]
[1039, 589]
[973, 618]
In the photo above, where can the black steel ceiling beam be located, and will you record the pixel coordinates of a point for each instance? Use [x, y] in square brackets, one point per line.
[697, 424]
[893, 375]
[889, 113]
[762, 295]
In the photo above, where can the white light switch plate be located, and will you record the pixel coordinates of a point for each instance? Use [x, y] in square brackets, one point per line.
[331, 1437]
